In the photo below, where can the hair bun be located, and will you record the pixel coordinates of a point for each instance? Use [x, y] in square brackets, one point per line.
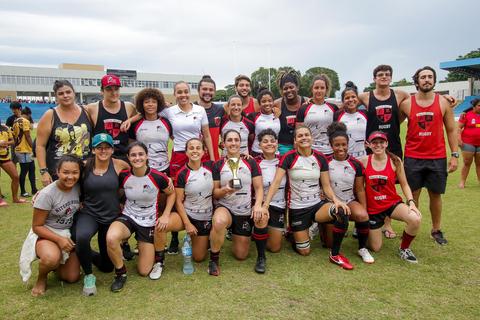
[350, 84]
[206, 77]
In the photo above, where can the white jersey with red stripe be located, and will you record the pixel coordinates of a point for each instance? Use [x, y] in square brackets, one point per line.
[356, 129]
[342, 177]
[304, 185]
[154, 134]
[240, 202]
[244, 127]
[261, 122]
[185, 125]
[269, 168]
[142, 195]
[317, 118]
[198, 189]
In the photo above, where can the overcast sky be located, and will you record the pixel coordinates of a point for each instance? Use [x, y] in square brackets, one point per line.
[225, 38]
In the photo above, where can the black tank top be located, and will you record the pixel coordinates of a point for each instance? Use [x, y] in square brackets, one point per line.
[110, 123]
[100, 195]
[68, 139]
[383, 115]
[287, 123]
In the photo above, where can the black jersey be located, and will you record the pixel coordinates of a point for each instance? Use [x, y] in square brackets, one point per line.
[110, 123]
[287, 123]
[383, 115]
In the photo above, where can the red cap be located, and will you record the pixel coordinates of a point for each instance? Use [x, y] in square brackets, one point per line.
[110, 80]
[377, 135]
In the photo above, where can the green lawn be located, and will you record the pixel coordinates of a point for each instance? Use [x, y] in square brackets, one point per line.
[444, 285]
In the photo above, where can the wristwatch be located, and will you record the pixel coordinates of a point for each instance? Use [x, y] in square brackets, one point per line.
[455, 154]
[43, 170]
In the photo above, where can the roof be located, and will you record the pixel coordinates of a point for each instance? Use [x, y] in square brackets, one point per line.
[470, 67]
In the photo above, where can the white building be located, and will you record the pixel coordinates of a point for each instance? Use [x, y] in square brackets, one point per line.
[36, 83]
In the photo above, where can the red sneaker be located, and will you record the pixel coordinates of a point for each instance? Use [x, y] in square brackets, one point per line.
[341, 261]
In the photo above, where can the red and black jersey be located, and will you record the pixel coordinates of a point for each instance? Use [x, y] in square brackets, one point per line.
[356, 127]
[269, 168]
[142, 195]
[343, 175]
[245, 127]
[261, 122]
[380, 187]
[303, 177]
[239, 202]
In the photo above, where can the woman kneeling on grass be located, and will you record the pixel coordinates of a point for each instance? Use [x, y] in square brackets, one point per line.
[382, 168]
[348, 183]
[142, 186]
[49, 240]
[193, 188]
[307, 172]
[268, 162]
[233, 178]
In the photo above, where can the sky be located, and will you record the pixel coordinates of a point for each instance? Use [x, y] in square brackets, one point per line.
[226, 38]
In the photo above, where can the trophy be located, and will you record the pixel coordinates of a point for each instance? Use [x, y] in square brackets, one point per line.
[233, 164]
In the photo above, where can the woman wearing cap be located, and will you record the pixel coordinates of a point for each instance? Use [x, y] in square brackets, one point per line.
[307, 172]
[140, 215]
[288, 105]
[100, 207]
[234, 178]
[318, 114]
[49, 239]
[382, 168]
[265, 119]
[65, 129]
[469, 140]
[354, 119]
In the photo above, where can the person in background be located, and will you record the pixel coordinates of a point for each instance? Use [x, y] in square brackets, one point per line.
[243, 87]
[469, 140]
[23, 150]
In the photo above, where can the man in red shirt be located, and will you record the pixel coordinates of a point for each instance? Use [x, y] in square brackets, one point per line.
[425, 152]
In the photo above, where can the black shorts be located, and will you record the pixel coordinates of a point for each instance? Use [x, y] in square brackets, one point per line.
[241, 225]
[203, 227]
[144, 234]
[277, 217]
[378, 220]
[302, 219]
[428, 173]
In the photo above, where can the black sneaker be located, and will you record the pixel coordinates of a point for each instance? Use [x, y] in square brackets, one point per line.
[439, 238]
[127, 252]
[261, 265]
[407, 255]
[173, 248]
[213, 268]
[118, 282]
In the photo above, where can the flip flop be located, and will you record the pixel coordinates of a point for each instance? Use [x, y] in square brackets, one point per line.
[389, 234]
[20, 201]
[3, 203]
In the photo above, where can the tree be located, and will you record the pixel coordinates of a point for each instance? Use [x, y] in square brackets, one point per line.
[458, 76]
[220, 95]
[260, 79]
[370, 87]
[402, 82]
[307, 78]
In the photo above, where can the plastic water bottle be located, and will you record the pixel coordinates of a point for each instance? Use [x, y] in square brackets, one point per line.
[187, 255]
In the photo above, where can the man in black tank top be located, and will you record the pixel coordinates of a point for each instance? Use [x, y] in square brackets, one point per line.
[108, 114]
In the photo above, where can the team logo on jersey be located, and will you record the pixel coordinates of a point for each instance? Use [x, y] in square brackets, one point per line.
[424, 119]
[246, 225]
[147, 188]
[384, 113]
[217, 121]
[378, 182]
[291, 121]
[112, 126]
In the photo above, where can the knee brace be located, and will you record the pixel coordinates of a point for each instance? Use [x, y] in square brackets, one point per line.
[302, 245]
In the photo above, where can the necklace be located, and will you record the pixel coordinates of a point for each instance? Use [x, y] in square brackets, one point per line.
[99, 173]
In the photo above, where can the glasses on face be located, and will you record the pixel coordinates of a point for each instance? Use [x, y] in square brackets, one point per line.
[384, 74]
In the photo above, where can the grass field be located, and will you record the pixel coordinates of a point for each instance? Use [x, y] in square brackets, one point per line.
[444, 285]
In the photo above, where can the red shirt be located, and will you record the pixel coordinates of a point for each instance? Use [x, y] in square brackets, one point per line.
[250, 106]
[425, 138]
[380, 187]
[471, 129]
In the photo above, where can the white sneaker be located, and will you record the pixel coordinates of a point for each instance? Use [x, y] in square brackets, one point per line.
[365, 255]
[313, 231]
[156, 272]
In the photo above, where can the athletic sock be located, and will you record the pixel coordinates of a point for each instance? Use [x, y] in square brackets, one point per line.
[120, 271]
[406, 240]
[215, 256]
[338, 235]
[159, 256]
[260, 236]
[174, 238]
[363, 229]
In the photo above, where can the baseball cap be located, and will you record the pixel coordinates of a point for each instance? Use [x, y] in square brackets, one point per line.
[101, 138]
[110, 80]
[377, 135]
